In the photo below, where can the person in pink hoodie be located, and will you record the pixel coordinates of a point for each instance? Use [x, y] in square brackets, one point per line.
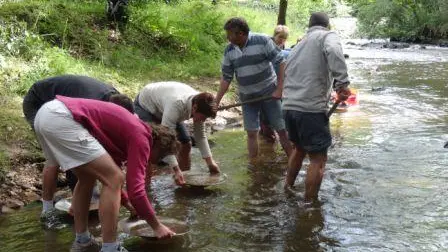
[94, 139]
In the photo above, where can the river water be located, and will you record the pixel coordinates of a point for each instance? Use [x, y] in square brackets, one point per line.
[384, 187]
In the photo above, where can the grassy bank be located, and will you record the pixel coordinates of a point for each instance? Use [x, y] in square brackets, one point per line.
[42, 38]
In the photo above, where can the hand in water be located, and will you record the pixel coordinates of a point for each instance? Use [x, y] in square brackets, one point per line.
[213, 168]
[163, 232]
[131, 210]
[179, 177]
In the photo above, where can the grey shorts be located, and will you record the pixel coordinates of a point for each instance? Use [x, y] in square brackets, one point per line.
[64, 141]
[310, 131]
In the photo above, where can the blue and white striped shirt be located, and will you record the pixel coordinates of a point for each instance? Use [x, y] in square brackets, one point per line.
[252, 64]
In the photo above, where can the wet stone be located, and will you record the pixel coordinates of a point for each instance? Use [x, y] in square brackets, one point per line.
[12, 193]
[14, 204]
[61, 195]
[11, 174]
[31, 196]
[6, 210]
[25, 187]
[10, 183]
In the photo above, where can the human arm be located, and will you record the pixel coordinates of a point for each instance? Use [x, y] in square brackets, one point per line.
[275, 56]
[171, 160]
[223, 87]
[280, 77]
[127, 204]
[228, 71]
[336, 64]
[202, 143]
[178, 176]
[138, 157]
[172, 115]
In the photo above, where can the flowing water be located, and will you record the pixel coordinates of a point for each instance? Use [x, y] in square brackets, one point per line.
[384, 187]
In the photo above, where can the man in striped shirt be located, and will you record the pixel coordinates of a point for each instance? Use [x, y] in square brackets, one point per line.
[250, 57]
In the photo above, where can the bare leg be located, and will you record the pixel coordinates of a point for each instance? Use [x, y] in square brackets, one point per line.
[50, 176]
[284, 141]
[267, 133]
[294, 165]
[81, 199]
[184, 156]
[314, 175]
[71, 179]
[112, 178]
[252, 143]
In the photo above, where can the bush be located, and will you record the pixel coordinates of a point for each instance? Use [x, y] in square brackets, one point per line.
[416, 21]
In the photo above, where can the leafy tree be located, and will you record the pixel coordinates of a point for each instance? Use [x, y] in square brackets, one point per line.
[404, 20]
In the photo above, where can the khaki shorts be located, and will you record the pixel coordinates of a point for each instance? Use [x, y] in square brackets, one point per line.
[64, 141]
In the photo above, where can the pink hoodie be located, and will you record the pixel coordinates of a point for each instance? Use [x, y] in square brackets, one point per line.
[125, 138]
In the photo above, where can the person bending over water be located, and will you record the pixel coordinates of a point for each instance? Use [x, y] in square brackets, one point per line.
[72, 86]
[93, 139]
[170, 104]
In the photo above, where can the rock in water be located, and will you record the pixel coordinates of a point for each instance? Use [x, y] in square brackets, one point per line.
[14, 204]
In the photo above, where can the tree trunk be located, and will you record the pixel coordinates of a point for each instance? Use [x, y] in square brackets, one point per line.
[282, 12]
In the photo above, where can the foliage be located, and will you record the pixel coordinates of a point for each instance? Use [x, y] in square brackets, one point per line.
[406, 20]
[17, 142]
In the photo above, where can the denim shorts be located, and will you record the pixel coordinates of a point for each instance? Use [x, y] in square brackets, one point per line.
[272, 113]
[310, 131]
[182, 133]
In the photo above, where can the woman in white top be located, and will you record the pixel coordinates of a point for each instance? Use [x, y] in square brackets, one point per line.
[171, 103]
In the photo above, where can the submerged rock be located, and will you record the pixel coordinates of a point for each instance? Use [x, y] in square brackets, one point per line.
[392, 45]
[443, 44]
[377, 89]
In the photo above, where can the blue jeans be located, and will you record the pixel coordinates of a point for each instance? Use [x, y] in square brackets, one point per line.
[271, 110]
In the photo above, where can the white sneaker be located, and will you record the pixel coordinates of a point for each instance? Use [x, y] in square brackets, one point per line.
[48, 215]
[51, 220]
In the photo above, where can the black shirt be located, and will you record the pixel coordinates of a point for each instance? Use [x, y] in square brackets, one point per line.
[68, 85]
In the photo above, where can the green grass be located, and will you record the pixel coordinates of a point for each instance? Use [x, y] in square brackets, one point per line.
[17, 142]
